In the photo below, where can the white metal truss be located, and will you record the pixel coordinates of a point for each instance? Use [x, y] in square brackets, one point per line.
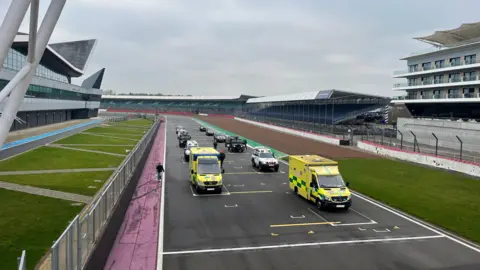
[37, 42]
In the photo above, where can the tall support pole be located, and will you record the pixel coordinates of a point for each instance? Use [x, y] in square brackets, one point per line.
[16, 97]
[10, 25]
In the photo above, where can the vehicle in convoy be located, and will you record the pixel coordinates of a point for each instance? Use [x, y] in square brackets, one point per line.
[209, 132]
[181, 132]
[205, 170]
[203, 128]
[177, 129]
[263, 158]
[219, 137]
[186, 151]
[318, 180]
[235, 144]
[182, 139]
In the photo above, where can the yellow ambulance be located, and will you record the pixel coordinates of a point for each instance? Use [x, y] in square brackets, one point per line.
[205, 170]
[318, 180]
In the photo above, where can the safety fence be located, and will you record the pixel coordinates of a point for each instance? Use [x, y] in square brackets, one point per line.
[74, 246]
[22, 261]
[395, 138]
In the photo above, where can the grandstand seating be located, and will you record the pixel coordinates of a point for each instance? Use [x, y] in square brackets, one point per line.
[314, 113]
[173, 105]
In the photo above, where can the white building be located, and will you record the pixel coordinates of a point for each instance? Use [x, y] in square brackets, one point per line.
[444, 81]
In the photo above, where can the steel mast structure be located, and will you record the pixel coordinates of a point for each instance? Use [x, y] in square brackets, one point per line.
[15, 90]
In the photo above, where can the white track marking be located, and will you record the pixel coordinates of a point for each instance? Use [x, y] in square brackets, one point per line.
[302, 216]
[418, 223]
[365, 241]
[162, 204]
[361, 214]
[355, 224]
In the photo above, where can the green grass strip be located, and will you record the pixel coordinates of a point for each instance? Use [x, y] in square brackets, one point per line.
[32, 223]
[77, 183]
[89, 139]
[50, 158]
[108, 149]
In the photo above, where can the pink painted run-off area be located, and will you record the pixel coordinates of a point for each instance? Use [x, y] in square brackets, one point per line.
[137, 240]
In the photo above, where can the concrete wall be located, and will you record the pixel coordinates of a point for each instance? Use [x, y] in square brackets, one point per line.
[433, 161]
[309, 135]
[41, 104]
[40, 118]
[446, 131]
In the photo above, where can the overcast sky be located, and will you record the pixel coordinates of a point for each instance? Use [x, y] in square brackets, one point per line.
[257, 47]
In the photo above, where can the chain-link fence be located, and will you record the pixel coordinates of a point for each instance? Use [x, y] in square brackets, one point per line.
[74, 246]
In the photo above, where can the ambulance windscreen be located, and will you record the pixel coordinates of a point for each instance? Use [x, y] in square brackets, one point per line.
[330, 181]
[208, 166]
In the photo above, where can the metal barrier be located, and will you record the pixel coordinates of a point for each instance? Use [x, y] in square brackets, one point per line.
[73, 248]
[392, 140]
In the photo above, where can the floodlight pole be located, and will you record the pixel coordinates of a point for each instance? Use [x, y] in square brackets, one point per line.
[37, 42]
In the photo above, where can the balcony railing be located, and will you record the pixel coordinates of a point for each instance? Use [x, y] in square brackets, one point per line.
[437, 96]
[437, 67]
[434, 82]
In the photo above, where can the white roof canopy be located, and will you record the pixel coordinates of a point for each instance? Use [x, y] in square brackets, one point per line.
[447, 38]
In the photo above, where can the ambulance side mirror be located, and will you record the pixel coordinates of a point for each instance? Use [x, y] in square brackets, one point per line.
[311, 184]
[348, 184]
[192, 172]
[223, 170]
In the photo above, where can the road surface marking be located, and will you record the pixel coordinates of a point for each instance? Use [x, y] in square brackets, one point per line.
[318, 215]
[355, 224]
[361, 214]
[380, 231]
[302, 216]
[251, 192]
[359, 241]
[231, 206]
[301, 224]
[238, 185]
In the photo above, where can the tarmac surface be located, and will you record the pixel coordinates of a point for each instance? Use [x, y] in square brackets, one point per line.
[257, 223]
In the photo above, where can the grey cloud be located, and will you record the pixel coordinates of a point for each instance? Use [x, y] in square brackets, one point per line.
[265, 47]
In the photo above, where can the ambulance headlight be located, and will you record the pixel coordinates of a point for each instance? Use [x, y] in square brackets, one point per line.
[327, 198]
[200, 183]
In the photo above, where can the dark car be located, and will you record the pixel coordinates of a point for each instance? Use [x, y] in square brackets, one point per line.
[219, 137]
[202, 128]
[182, 139]
[209, 132]
[178, 128]
[235, 144]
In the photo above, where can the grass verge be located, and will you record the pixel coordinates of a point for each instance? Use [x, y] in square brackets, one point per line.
[134, 122]
[50, 158]
[114, 131]
[110, 149]
[40, 223]
[92, 139]
[78, 183]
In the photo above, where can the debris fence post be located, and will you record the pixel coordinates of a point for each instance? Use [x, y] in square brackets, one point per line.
[414, 141]
[401, 139]
[436, 144]
[461, 146]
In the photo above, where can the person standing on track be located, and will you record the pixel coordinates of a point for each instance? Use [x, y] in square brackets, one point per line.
[222, 158]
[215, 144]
[160, 170]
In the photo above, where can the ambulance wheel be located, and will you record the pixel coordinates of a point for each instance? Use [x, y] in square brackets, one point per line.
[197, 189]
[296, 191]
[319, 204]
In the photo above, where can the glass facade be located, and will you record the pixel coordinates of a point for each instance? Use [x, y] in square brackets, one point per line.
[37, 91]
[16, 60]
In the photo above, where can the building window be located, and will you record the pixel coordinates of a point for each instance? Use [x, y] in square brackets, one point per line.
[413, 68]
[453, 93]
[426, 80]
[427, 66]
[438, 79]
[455, 61]
[470, 76]
[468, 92]
[470, 59]
[16, 61]
[440, 64]
[454, 77]
[436, 94]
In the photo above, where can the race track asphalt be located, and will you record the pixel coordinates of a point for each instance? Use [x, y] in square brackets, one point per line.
[31, 145]
[258, 224]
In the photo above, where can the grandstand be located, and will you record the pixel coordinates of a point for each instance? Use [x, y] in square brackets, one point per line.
[172, 104]
[325, 107]
[318, 107]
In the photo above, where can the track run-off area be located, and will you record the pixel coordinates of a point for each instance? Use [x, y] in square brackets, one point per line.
[257, 223]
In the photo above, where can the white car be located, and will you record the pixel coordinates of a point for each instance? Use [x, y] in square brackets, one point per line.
[263, 158]
[181, 132]
[186, 152]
